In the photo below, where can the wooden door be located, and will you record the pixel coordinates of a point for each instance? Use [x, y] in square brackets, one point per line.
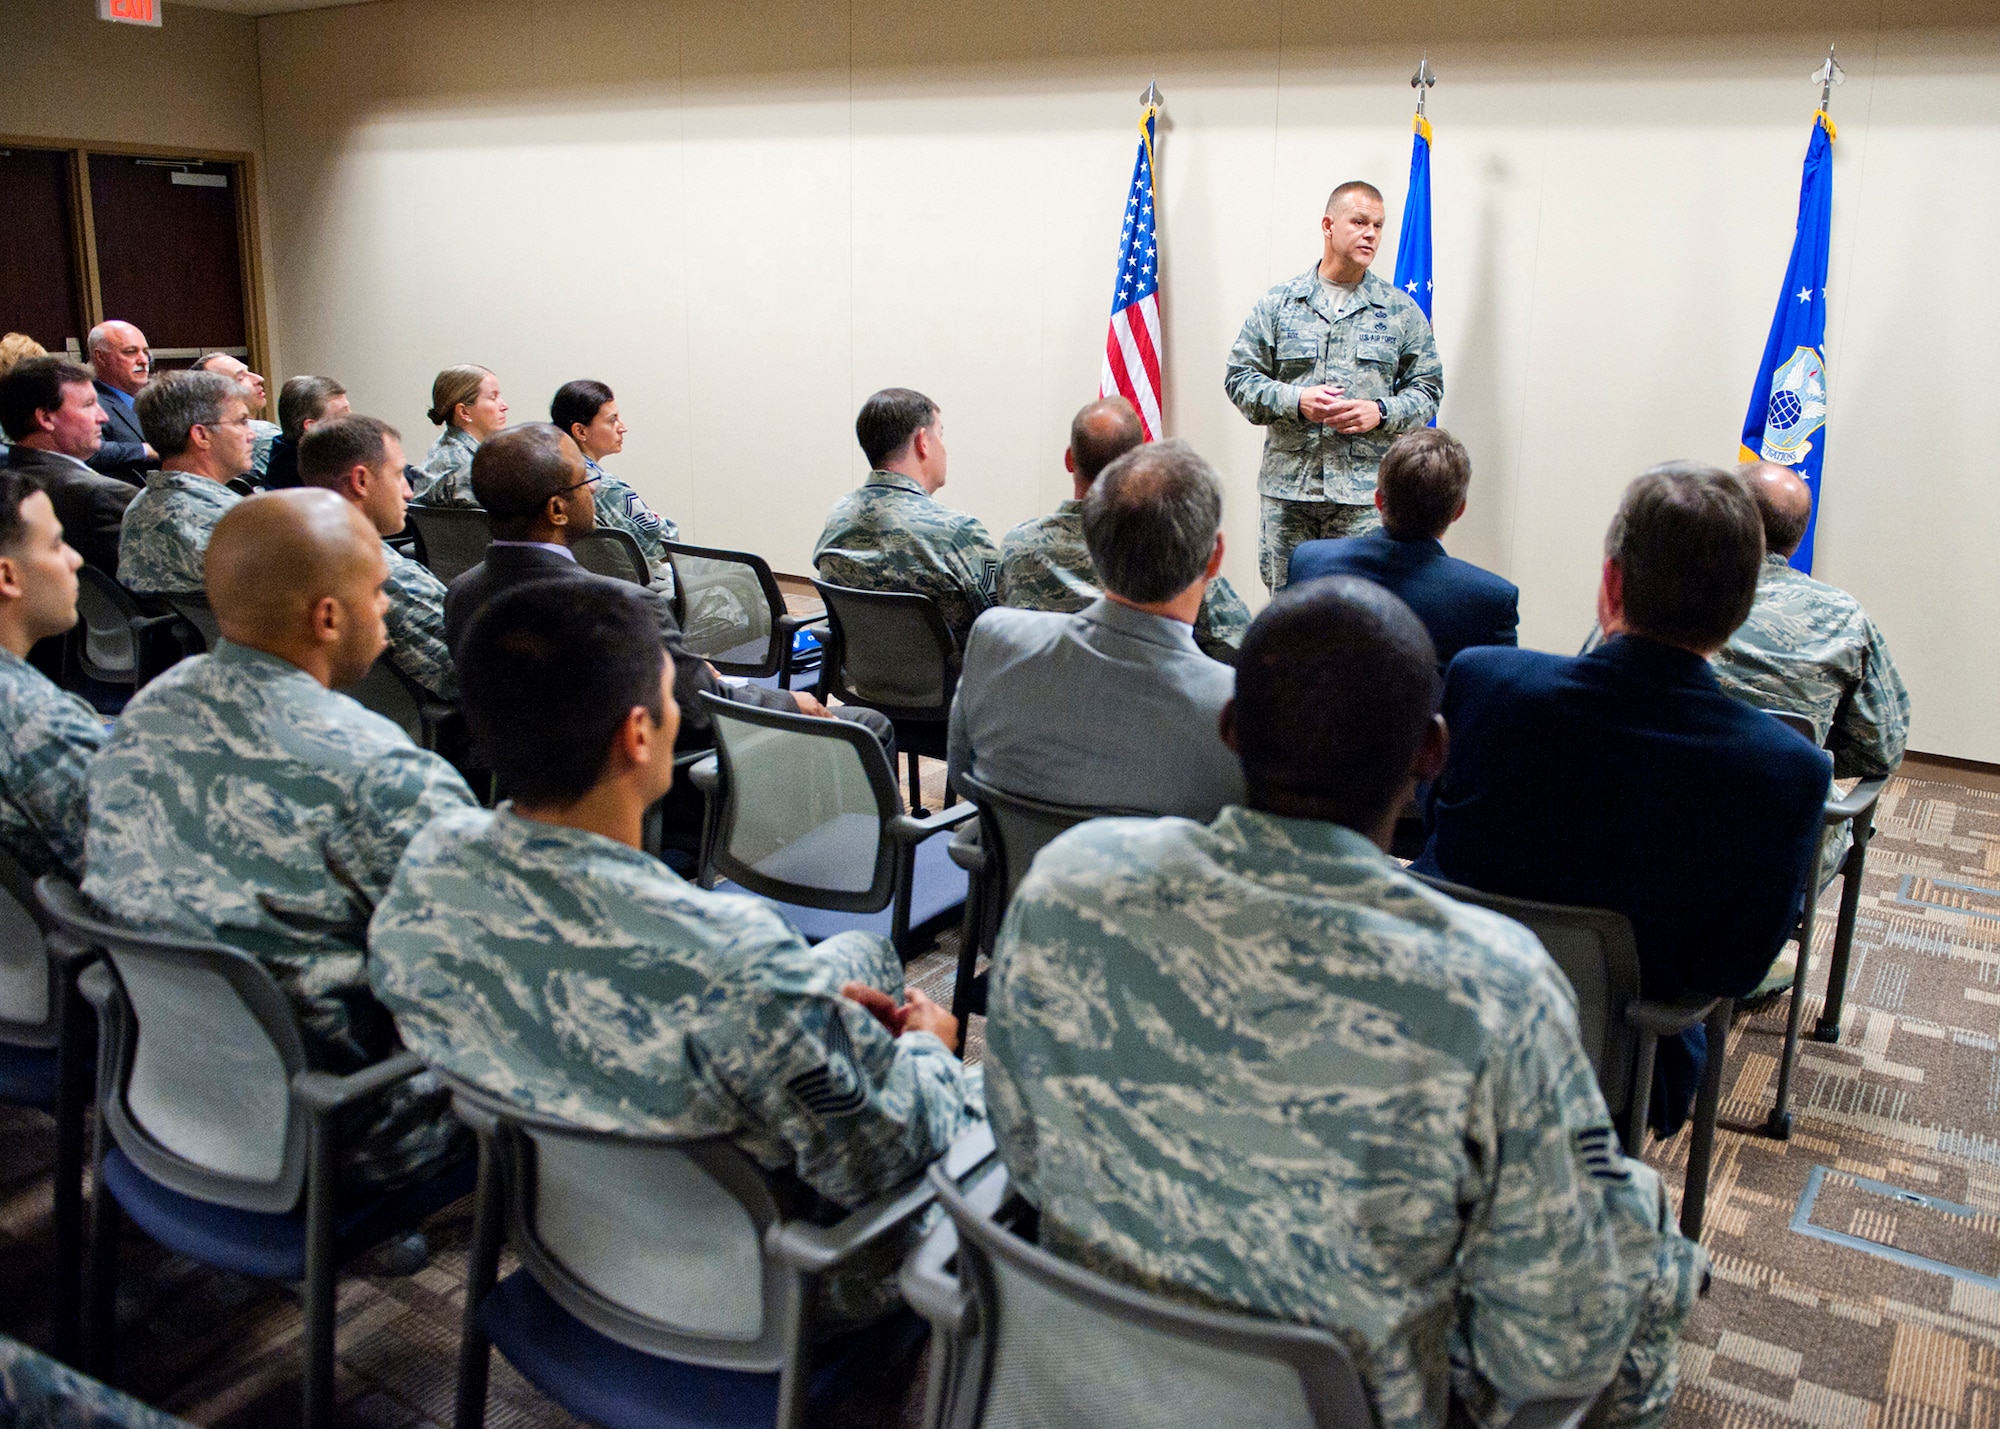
[40, 294]
[169, 254]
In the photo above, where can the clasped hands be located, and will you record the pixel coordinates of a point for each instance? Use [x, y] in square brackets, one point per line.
[917, 1013]
[1348, 416]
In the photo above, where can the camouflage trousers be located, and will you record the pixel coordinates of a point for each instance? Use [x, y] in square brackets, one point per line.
[1289, 524]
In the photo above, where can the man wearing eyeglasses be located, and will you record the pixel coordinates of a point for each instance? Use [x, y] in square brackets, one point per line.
[199, 423]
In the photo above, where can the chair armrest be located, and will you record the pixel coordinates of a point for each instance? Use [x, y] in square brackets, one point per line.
[1664, 1019]
[814, 1250]
[907, 830]
[967, 852]
[322, 1093]
[97, 986]
[66, 948]
[704, 773]
[1855, 802]
[931, 1290]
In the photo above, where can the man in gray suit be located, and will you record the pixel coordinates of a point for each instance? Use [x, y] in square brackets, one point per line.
[1113, 706]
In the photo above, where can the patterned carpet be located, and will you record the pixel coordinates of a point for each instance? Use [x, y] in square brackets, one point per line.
[1877, 1308]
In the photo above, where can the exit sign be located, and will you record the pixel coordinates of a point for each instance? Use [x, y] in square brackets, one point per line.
[130, 12]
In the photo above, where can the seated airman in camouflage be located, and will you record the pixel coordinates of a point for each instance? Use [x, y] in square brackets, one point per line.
[241, 799]
[360, 459]
[588, 411]
[263, 434]
[1810, 649]
[536, 951]
[1045, 563]
[1256, 1065]
[199, 423]
[892, 533]
[1112, 707]
[50, 735]
[465, 401]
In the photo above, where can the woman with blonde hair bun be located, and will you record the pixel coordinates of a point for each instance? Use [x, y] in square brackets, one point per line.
[465, 401]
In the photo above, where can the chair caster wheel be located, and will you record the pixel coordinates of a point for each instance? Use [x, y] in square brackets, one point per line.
[1778, 1125]
[1826, 1032]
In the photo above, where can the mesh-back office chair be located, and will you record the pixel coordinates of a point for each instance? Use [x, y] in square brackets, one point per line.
[116, 641]
[803, 811]
[1023, 1339]
[47, 1061]
[215, 1135]
[453, 539]
[402, 701]
[892, 651]
[1012, 830]
[1856, 810]
[663, 1282]
[732, 612]
[1620, 1031]
[611, 552]
[197, 612]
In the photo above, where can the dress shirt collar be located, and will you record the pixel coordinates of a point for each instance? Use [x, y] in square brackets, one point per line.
[564, 551]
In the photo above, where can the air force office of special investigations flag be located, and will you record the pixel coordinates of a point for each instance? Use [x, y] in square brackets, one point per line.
[1787, 418]
[1132, 347]
[1413, 248]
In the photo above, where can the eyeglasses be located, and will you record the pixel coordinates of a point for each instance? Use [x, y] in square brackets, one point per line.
[591, 480]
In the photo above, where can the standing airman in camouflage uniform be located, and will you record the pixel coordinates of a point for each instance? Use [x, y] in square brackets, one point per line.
[360, 459]
[199, 424]
[1045, 565]
[1809, 648]
[538, 952]
[1337, 363]
[241, 799]
[893, 534]
[49, 734]
[1256, 1065]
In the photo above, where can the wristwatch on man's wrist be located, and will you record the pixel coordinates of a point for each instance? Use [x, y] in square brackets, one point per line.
[1383, 408]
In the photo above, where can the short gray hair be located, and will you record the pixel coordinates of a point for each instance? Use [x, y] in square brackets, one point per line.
[173, 405]
[1150, 521]
[100, 336]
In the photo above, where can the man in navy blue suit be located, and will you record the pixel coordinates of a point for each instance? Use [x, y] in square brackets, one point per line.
[1626, 778]
[1420, 491]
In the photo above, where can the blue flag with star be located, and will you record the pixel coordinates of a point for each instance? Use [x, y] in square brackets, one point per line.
[1413, 249]
[1787, 418]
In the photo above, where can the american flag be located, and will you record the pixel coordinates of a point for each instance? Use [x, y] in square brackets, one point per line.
[1132, 347]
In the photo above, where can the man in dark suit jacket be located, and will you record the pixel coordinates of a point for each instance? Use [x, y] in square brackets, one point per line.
[532, 481]
[124, 364]
[1420, 491]
[1626, 779]
[50, 412]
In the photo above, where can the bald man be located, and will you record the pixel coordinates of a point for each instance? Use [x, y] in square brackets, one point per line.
[256, 396]
[1809, 648]
[240, 798]
[123, 364]
[1045, 565]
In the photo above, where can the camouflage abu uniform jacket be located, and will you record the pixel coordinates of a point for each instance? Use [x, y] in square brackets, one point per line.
[1375, 343]
[416, 625]
[239, 799]
[891, 534]
[586, 980]
[165, 535]
[448, 471]
[262, 436]
[622, 508]
[1258, 1065]
[1810, 649]
[1045, 565]
[50, 736]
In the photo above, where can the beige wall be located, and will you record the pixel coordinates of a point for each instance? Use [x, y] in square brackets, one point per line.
[747, 216]
[65, 74]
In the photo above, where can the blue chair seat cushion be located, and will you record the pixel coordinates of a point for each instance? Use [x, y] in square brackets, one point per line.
[937, 889]
[273, 1246]
[28, 1076]
[617, 1387]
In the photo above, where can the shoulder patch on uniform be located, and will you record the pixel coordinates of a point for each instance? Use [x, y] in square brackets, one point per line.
[1602, 1157]
[832, 1089]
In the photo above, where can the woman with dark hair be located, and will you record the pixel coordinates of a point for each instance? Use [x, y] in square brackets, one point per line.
[588, 412]
[465, 401]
